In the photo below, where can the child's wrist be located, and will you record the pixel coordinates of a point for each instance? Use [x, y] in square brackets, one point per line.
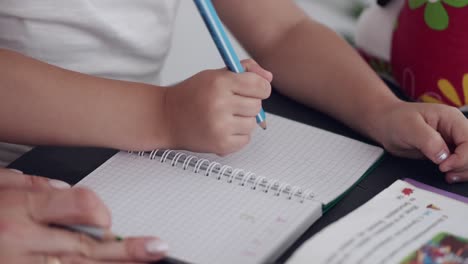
[374, 118]
[168, 116]
[153, 120]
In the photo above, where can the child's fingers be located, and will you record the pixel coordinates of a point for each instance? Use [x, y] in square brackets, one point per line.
[456, 161]
[252, 66]
[248, 107]
[244, 125]
[457, 176]
[235, 143]
[252, 85]
[455, 128]
[239, 141]
[428, 141]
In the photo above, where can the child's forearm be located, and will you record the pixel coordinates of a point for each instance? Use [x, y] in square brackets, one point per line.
[315, 66]
[43, 104]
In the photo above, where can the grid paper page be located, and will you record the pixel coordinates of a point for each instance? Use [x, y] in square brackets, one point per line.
[203, 219]
[304, 156]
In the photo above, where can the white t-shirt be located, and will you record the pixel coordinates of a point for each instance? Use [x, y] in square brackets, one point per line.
[118, 39]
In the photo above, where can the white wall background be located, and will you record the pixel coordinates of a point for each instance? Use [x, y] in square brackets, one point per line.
[193, 50]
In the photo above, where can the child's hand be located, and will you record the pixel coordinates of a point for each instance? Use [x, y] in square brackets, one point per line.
[214, 111]
[438, 132]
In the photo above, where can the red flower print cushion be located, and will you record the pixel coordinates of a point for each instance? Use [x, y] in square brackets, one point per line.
[429, 55]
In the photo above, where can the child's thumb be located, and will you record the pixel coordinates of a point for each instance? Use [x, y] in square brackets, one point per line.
[252, 66]
[430, 143]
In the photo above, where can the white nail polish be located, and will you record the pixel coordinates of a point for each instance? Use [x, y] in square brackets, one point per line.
[156, 247]
[442, 156]
[59, 184]
[16, 171]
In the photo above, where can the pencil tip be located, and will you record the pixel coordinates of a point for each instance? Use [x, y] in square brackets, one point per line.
[263, 125]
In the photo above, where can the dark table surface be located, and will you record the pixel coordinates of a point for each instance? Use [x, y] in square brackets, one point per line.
[72, 164]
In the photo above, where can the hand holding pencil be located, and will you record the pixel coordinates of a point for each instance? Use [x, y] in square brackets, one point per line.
[32, 209]
[215, 111]
[224, 46]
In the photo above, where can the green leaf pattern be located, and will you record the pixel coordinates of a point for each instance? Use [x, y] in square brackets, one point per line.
[416, 3]
[435, 15]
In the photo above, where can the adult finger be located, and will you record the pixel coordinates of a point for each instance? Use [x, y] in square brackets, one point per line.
[16, 179]
[247, 107]
[132, 249]
[73, 206]
[77, 260]
[63, 243]
[43, 259]
[251, 65]
[251, 85]
[24, 259]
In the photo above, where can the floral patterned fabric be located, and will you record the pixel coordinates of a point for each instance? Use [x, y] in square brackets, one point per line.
[429, 56]
[435, 14]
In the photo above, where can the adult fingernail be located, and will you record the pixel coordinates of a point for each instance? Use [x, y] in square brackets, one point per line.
[156, 246]
[443, 155]
[59, 184]
[16, 171]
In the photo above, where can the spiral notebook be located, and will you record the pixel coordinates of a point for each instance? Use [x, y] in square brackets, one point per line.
[247, 207]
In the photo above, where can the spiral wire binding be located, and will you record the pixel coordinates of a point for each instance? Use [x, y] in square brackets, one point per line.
[231, 174]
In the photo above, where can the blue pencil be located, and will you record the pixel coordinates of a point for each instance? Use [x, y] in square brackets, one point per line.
[216, 29]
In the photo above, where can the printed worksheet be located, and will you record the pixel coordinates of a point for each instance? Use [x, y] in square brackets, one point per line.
[403, 224]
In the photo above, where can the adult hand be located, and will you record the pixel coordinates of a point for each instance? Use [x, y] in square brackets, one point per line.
[30, 205]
